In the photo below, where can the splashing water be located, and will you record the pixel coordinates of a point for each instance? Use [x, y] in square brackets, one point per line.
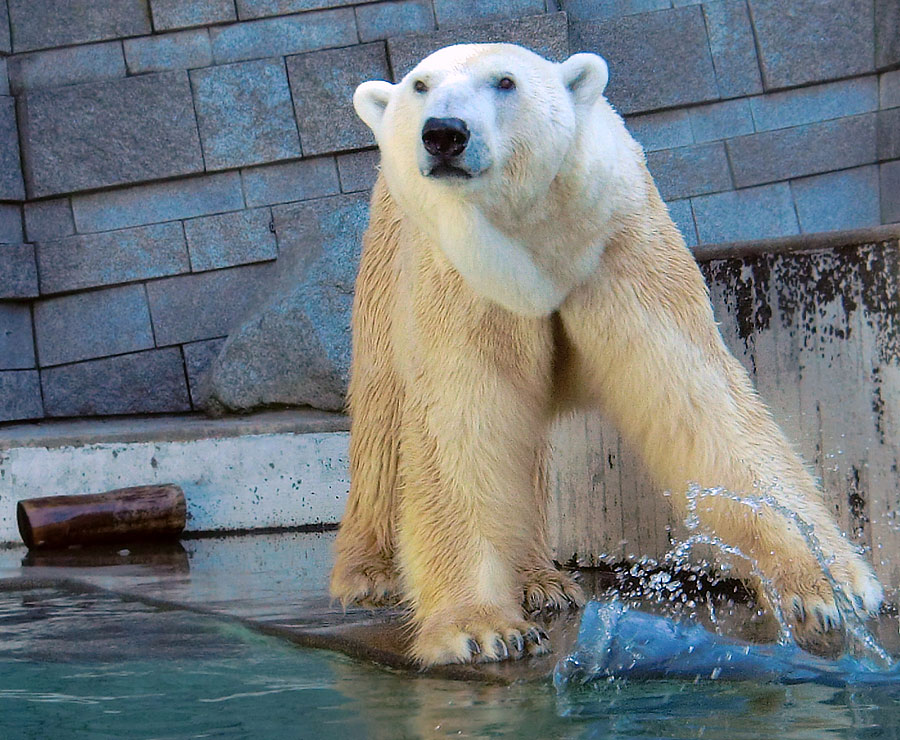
[616, 641]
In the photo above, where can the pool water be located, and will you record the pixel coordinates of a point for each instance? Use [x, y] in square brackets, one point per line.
[90, 665]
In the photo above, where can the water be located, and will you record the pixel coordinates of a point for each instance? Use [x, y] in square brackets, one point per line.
[78, 665]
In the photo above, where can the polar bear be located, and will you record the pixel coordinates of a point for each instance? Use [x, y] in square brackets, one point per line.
[518, 263]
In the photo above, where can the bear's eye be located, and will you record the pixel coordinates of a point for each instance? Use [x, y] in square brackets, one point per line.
[505, 83]
[420, 86]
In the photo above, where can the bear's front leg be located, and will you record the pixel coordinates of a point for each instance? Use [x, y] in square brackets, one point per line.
[463, 527]
[648, 351]
[472, 423]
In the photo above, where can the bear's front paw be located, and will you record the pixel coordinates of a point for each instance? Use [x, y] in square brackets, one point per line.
[481, 640]
[371, 585]
[551, 589]
[810, 607]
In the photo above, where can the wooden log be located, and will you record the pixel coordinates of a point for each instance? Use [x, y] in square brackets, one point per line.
[125, 515]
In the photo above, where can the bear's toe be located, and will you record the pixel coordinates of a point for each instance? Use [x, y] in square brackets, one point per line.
[551, 590]
[816, 624]
[861, 588]
[364, 586]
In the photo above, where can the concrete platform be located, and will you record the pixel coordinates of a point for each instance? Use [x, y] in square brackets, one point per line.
[273, 583]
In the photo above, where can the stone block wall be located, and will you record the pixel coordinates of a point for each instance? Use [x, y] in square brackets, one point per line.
[153, 152]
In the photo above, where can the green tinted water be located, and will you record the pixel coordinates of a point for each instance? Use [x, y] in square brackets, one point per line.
[92, 666]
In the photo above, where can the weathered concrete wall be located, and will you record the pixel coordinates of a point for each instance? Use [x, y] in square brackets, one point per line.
[819, 332]
[152, 153]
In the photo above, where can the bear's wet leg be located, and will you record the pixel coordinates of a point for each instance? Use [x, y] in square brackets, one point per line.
[461, 533]
[648, 352]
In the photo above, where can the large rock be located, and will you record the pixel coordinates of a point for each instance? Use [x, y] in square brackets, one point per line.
[294, 349]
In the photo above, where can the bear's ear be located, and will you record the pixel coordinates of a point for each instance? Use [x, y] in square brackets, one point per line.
[585, 75]
[370, 100]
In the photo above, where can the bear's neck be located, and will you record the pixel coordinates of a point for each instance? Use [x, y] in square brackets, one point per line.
[528, 254]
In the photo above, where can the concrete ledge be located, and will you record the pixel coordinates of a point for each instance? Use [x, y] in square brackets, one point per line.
[797, 243]
[174, 428]
[272, 470]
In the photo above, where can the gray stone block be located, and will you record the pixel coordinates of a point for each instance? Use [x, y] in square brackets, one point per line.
[546, 35]
[264, 8]
[592, 10]
[838, 200]
[108, 133]
[164, 201]
[280, 36]
[41, 24]
[322, 84]
[803, 150]
[816, 103]
[198, 356]
[743, 215]
[380, 20]
[358, 170]
[180, 50]
[640, 50]
[680, 211]
[11, 185]
[889, 176]
[191, 307]
[18, 271]
[664, 130]
[723, 120]
[10, 223]
[245, 115]
[889, 89]
[690, 170]
[455, 13]
[295, 348]
[94, 324]
[112, 257]
[889, 134]
[887, 33]
[143, 383]
[806, 41]
[5, 40]
[171, 14]
[733, 47]
[20, 396]
[289, 181]
[4, 75]
[231, 239]
[59, 67]
[49, 219]
[16, 340]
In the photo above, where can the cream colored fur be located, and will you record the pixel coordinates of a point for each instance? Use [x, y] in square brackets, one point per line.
[553, 279]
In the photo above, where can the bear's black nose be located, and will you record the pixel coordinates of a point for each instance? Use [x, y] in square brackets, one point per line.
[445, 137]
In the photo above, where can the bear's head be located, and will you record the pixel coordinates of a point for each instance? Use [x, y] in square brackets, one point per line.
[469, 117]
